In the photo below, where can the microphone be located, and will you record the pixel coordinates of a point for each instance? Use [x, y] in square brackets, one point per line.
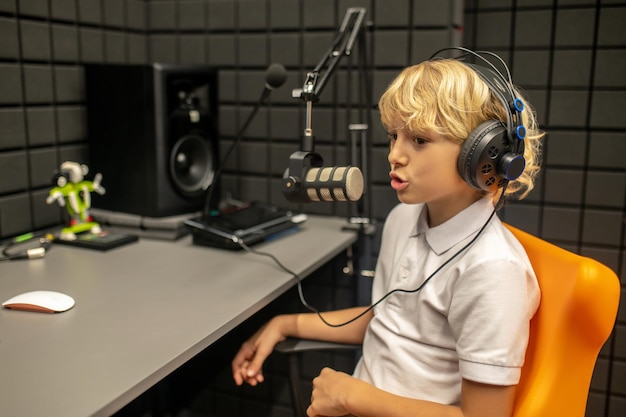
[306, 180]
[275, 76]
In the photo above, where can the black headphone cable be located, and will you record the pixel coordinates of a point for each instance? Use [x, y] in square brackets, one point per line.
[381, 299]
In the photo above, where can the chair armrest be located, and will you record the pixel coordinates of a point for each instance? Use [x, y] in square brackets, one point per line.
[291, 345]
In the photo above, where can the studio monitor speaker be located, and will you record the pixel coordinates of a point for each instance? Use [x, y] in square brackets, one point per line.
[153, 134]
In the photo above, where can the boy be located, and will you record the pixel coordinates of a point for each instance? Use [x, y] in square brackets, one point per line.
[454, 290]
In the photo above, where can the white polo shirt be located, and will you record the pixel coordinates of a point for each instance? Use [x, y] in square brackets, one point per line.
[471, 320]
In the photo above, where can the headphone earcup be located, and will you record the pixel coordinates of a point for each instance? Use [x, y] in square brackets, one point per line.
[481, 153]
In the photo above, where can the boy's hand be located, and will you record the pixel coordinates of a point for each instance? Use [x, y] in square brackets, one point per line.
[247, 366]
[327, 398]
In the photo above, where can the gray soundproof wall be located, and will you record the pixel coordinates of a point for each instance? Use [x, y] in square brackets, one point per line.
[568, 55]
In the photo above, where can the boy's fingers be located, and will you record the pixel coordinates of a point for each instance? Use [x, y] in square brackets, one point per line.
[256, 364]
[237, 378]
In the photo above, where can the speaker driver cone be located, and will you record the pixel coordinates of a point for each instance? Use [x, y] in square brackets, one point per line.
[191, 165]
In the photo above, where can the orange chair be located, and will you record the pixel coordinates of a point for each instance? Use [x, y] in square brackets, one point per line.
[579, 300]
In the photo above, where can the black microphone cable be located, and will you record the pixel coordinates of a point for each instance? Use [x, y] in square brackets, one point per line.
[275, 76]
[312, 309]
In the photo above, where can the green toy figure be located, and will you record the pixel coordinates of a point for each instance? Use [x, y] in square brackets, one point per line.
[74, 193]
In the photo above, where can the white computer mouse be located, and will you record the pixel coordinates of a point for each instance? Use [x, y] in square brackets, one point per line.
[40, 301]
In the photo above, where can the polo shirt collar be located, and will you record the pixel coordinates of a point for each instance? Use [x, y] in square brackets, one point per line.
[448, 234]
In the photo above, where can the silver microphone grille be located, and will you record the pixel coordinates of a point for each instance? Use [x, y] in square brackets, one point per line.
[334, 184]
[354, 183]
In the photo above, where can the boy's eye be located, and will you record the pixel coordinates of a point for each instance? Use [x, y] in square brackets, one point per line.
[419, 141]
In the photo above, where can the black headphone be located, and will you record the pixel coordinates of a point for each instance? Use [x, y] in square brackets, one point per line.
[493, 153]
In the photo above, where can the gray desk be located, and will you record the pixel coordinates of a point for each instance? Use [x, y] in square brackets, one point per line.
[141, 311]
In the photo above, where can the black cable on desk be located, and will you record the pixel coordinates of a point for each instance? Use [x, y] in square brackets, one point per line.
[20, 247]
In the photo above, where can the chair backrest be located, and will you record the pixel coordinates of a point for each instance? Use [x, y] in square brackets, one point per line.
[579, 301]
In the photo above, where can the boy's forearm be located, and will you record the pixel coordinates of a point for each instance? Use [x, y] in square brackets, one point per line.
[310, 326]
[479, 400]
[372, 402]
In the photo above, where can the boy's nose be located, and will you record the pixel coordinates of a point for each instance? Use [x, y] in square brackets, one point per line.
[396, 156]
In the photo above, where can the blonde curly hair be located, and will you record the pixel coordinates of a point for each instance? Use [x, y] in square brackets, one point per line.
[447, 97]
